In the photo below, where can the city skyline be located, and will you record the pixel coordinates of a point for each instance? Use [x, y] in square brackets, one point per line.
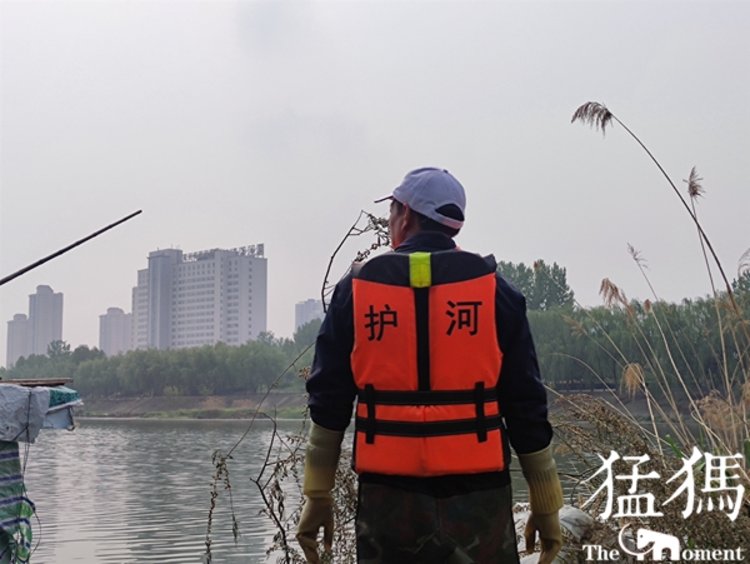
[32, 334]
[110, 324]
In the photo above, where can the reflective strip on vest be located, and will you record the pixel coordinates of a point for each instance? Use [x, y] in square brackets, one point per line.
[426, 363]
[420, 274]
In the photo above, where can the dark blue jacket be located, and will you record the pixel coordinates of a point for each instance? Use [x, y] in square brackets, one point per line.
[523, 399]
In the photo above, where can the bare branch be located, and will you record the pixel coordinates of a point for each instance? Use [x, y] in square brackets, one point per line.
[377, 224]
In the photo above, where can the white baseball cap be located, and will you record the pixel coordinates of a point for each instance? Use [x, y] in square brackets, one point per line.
[427, 191]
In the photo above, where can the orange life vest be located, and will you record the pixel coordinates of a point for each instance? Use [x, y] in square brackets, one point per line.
[426, 363]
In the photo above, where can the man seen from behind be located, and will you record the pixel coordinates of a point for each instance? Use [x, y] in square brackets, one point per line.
[435, 347]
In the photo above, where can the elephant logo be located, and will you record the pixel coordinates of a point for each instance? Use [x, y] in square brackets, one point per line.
[660, 543]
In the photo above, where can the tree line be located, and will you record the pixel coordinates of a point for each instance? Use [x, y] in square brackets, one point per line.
[682, 344]
[208, 370]
[577, 348]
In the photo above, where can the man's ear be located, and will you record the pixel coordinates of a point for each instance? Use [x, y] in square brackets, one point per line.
[407, 217]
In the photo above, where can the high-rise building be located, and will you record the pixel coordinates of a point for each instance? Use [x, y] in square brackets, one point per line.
[32, 335]
[140, 311]
[19, 339]
[115, 331]
[306, 311]
[45, 317]
[205, 297]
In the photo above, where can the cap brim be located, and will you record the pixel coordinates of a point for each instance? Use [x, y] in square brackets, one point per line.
[384, 198]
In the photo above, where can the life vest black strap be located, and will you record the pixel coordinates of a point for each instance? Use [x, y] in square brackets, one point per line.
[432, 397]
[431, 428]
[481, 421]
[369, 422]
[422, 310]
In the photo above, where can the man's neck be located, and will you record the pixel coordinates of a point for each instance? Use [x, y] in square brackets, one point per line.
[426, 239]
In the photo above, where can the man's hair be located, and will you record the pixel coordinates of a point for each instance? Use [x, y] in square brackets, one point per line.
[427, 224]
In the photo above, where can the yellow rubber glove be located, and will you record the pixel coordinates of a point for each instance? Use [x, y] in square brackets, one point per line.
[545, 493]
[318, 512]
[321, 460]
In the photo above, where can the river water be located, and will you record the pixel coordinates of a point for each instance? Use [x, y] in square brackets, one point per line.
[138, 490]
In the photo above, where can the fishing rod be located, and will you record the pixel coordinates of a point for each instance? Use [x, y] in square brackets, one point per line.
[69, 247]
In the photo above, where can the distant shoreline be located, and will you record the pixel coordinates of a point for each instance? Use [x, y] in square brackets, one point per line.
[241, 406]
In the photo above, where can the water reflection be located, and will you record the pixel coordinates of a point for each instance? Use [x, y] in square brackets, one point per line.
[139, 491]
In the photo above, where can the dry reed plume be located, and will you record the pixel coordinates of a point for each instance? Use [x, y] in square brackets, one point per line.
[695, 188]
[599, 116]
[594, 114]
[633, 379]
[720, 423]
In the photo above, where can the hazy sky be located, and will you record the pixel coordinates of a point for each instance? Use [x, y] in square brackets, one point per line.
[234, 123]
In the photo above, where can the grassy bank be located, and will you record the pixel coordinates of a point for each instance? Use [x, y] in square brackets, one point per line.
[285, 413]
[281, 405]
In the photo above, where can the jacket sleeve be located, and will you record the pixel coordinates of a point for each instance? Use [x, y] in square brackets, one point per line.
[523, 399]
[330, 386]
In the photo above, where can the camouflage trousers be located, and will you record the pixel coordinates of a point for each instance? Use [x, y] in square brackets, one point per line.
[395, 526]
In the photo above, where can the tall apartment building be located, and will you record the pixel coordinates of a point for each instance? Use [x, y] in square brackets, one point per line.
[115, 331]
[45, 318]
[205, 297]
[139, 321]
[32, 335]
[306, 311]
[19, 339]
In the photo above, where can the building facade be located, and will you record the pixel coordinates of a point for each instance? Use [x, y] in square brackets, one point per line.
[45, 318]
[19, 339]
[139, 320]
[201, 298]
[33, 334]
[115, 331]
[306, 311]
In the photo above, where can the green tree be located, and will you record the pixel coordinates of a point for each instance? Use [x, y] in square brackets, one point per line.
[83, 353]
[57, 349]
[518, 274]
[741, 288]
[742, 284]
[545, 287]
[306, 334]
[32, 366]
[266, 338]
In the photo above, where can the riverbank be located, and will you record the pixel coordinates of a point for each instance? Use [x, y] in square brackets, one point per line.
[281, 405]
